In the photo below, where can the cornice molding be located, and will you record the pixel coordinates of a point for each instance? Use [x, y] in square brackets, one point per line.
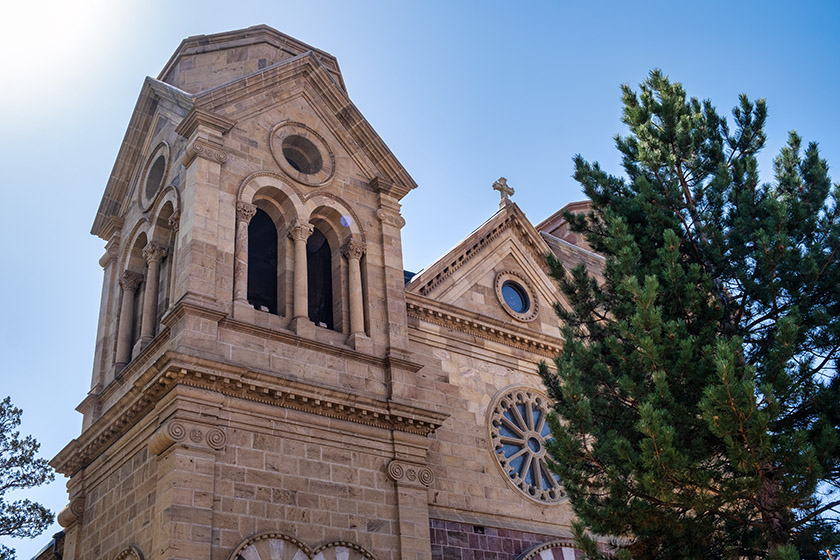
[182, 370]
[201, 118]
[481, 326]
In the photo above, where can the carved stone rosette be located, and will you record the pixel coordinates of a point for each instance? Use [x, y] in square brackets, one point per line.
[176, 431]
[72, 512]
[391, 218]
[406, 473]
[202, 149]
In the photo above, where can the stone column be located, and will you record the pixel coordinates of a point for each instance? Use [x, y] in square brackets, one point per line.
[244, 213]
[299, 233]
[153, 254]
[354, 250]
[129, 281]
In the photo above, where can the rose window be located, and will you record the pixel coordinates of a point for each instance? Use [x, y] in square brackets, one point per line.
[518, 432]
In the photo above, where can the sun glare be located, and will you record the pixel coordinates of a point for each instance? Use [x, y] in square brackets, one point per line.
[51, 44]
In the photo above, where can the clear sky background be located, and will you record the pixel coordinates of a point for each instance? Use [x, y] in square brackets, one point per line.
[462, 92]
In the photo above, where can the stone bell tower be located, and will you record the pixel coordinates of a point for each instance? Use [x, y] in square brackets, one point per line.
[253, 395]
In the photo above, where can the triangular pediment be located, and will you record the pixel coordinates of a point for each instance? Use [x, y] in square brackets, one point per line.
[504, 258]
[306, 76]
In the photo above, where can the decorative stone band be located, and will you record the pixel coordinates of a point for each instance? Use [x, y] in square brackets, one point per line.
[130, 553]
[268, 546]
[390, 217]
[406, 473]
[286, 393]
[202, 149]
[176, 431]
[72, 512]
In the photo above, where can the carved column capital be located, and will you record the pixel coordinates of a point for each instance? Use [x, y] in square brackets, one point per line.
[175, 220]
[245, 211]
[353, 249]
[154, 253]
[130, 281]
[301, 231]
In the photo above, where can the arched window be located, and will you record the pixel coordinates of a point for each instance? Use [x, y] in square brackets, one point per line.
[262, 262]
[320, 279]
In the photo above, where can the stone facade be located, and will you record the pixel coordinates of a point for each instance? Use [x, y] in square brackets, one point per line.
[266, 384]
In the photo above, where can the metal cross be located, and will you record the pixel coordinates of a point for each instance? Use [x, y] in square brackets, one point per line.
[504, 190]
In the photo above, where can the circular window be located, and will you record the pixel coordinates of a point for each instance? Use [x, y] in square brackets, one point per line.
[302, 153]
[516, 296]
[518, 432]
[155, 176]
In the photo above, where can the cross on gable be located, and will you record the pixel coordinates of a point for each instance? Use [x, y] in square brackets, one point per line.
[505, 191]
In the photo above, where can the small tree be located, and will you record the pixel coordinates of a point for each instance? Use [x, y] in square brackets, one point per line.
[697, 394]
[20, 469]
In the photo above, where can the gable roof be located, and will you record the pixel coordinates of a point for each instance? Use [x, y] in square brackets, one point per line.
[509, 216]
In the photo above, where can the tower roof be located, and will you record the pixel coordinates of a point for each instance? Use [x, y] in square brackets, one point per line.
[232, 54]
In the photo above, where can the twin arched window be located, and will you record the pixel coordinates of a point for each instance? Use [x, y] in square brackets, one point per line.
[267, 275]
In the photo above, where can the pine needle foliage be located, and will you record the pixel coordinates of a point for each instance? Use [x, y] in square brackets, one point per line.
[20, 468]
[697, 394]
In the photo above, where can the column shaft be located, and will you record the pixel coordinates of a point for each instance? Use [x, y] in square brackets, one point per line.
[300, 233]
[354, 250]
[244, 213]
[153, 254]
[129, 281]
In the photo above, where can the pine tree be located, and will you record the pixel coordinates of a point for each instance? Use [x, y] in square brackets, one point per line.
[20, 468]
[697, 393]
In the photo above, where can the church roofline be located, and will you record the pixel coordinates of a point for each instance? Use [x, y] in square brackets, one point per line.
[249, 36]
[552, 222]
[425, 281]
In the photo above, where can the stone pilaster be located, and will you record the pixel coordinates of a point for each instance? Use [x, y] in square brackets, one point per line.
[412, 477]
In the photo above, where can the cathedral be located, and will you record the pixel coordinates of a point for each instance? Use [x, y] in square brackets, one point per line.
[269, 383]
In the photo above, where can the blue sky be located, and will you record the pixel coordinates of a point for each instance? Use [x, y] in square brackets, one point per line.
[461, 92]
